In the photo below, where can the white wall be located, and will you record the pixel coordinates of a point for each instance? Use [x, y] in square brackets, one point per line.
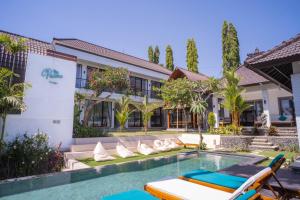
[255, 93]
[49, 106]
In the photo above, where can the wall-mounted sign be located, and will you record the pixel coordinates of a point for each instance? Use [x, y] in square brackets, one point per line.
[51, 75]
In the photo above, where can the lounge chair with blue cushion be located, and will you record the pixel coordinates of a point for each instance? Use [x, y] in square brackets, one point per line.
[141, 195]
[131, 195]
[177, 189]
[223, 181]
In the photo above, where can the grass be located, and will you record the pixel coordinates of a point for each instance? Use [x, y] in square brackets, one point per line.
[271, 154]
[92, 163]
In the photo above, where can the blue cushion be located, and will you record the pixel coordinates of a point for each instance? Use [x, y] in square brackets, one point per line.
[247, 195]
[130, 195]
[282, 118]
[276, 159]
[216, 178]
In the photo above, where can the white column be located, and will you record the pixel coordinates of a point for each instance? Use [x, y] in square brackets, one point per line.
[266, 105]
[295, 79]
[216, 110]
[112, 125]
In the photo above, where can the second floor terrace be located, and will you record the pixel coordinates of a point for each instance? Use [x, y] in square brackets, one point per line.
[138, 86]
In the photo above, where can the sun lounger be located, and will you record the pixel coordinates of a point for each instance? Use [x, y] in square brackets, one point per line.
[171, 144]
[223, 181]
[145, 149]
[123, 152]
[131, 195]
[189, 140]
[141, 195]
[181, 189]
[100, 154]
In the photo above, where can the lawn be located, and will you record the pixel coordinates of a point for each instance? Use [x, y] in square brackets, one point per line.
[92, 163]
[271, 154]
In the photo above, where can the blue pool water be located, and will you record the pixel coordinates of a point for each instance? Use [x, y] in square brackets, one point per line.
[92, 185]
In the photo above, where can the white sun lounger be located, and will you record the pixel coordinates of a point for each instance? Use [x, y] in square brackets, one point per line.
[160, 146]
[181, 189]
[100, 154]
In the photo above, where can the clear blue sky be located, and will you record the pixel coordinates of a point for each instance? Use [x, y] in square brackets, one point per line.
[130, 26]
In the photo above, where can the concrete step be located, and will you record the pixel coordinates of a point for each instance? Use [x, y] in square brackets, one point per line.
[255, 147]
[260, 140]
[262, 143]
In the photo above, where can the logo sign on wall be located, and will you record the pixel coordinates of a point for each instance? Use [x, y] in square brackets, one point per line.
[52, 75]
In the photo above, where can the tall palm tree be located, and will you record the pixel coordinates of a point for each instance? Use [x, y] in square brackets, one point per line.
[13, 46]
[199, 106]
[147, 109]
[123, 111]
[11, 97]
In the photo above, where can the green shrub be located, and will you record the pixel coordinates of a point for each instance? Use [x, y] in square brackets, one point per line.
[81, 131]
[211, 120]
[29, 155]
[229, 130]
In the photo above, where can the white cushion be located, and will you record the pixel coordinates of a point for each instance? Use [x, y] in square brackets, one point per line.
[188, 191]
[144, 149]
[123, 151]
[100, 154]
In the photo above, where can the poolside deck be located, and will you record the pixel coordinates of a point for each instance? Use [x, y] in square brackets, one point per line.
[288, 178]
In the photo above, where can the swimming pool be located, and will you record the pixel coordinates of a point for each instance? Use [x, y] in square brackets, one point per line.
[93, 184]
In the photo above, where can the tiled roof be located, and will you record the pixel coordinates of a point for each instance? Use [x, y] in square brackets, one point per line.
[178, 72]
[108, 53]
[286, 51]
[249, 77]
[33, 45]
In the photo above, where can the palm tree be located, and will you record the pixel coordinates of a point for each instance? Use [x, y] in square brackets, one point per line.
[147, 110]
[13, 47]
[199, 106]
[233, 100]
[123, 111]
[11, 97]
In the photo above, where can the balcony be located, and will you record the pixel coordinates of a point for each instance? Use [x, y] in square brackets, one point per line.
[155, 94]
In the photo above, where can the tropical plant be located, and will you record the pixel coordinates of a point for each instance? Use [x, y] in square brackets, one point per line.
[211, 120]
[177, 94]
[13, 46]
[192, 56]
[233, 100]
[230, 47]
[110, 80]
[11, 97]
[199, 106]
[156, 55]
[30, 155]
[147, 109]
[169, 58]
[150, 54]
[123, 111]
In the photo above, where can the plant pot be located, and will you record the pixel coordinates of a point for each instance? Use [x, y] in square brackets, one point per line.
[248, 130]
[262, 131]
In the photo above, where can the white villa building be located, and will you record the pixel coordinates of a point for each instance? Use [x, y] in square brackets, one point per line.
[58, 69]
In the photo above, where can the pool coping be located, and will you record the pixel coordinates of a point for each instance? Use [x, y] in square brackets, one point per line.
[105, 170]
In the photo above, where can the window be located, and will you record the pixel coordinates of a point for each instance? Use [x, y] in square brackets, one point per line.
[155, 84]
[253, 113]
[138, 86]
[135, 119]
[80, 81]
[101, 114]
[286, 106]
[157, 118]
